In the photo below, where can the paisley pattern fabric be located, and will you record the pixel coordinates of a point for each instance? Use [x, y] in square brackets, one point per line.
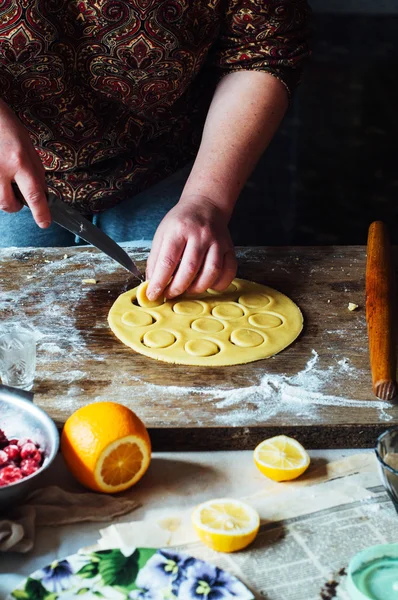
[114, 92]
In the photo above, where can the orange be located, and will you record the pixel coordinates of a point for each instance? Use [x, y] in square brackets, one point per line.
[106, 446]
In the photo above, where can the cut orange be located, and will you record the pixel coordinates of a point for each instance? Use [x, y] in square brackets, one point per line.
[281, 458]
[106, 446]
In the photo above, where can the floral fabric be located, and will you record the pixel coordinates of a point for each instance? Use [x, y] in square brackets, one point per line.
[146, 574]
[114, 92]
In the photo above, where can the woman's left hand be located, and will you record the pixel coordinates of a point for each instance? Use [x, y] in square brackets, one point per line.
[192, 250]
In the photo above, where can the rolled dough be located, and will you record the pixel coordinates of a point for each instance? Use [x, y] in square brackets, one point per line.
[246, 322]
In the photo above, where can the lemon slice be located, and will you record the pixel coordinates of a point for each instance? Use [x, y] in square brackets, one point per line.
[281, 458]
[225, 524]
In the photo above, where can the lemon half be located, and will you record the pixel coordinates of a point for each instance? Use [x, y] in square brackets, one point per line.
[225, 524]
[281, 458]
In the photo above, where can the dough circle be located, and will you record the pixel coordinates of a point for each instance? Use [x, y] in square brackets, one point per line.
[246, 338]
[265, 321]
[254, 300]
[201, 348]
[142, 298]
[247, 322]
[158, 338]
[207, 325]
[136, 319]
[227, 310]
[188, 307]
[230, 288]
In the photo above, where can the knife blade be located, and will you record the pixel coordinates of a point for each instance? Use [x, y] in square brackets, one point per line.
[70, 219]
[73, 221]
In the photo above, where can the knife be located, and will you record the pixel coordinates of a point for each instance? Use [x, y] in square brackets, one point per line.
[70, 219]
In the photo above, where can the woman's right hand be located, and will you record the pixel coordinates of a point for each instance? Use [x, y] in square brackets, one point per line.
[20, 163]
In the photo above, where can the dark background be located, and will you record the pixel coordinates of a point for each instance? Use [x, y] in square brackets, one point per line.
[333, 167]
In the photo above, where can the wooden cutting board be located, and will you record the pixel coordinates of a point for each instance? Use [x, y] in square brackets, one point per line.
[319, 389]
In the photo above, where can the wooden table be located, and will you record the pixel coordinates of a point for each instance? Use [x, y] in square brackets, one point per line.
[319, 389]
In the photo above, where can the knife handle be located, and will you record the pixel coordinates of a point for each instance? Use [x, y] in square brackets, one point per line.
[19, 196]
[380, 312]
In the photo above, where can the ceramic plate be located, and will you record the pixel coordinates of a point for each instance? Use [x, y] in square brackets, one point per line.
[146, 574]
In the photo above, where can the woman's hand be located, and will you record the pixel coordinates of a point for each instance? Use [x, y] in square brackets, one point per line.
[192, 246]
[20, 163]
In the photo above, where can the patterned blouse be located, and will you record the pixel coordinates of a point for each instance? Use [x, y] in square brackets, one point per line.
[114, 92]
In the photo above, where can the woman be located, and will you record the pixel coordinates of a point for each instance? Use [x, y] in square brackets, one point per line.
[103, 98]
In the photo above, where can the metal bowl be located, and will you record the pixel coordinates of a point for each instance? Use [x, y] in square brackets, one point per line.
[20, 418]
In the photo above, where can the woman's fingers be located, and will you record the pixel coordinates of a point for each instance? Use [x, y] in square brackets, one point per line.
[228, 273]
[190, 264]
[167, 261]
[34, 193]
[8, 200]
[190, 268]
[154, 253]
[210, 272]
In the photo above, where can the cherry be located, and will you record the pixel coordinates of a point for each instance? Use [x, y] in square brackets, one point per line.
[28, 466]
[12, 452]
[9, 475]
[3, 458]
[29, 450]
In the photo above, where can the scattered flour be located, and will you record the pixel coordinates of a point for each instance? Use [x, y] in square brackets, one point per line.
[300, 395]
[51, 348]
[54, 321]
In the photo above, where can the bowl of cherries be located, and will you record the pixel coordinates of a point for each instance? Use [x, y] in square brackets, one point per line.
[29, 442]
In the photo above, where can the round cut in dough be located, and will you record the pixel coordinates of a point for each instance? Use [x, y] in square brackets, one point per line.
[158, 338]
[207, 325]
[247, 322]
[201, 348]
[246, 338]
[136, 319]
[265, 320]
[188, 307]
[254, 300]
[230, 288]
[228, 310]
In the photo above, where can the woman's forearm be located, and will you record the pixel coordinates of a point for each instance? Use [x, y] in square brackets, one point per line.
[192, 244]
[245, 113]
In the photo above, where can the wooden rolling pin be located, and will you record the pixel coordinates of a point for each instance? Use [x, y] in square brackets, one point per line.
[380, 312]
